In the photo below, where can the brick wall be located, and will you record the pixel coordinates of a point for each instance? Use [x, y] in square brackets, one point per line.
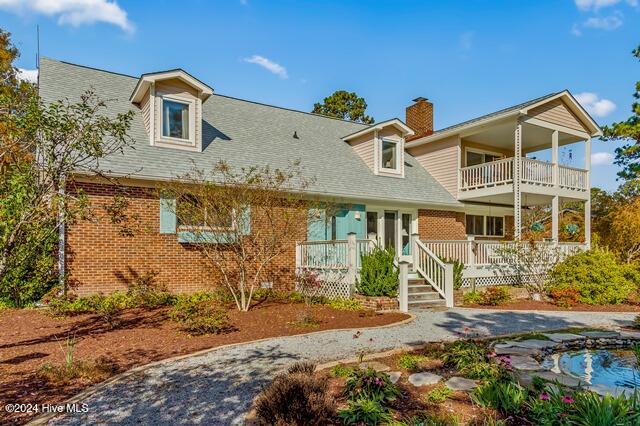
[103, 258]
[441, 225]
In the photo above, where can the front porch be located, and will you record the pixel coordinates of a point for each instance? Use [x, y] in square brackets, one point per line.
[427, 277]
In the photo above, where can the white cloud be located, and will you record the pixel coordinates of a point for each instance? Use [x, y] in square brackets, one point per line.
[607, 23]
[28, 75]
[73, 12]
[601, 159]
[269, 65]
[595, 105]
[599, 4]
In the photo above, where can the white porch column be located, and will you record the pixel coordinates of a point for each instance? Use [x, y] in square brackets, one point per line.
[555, 201]
[554, 156]
[517, 176]
[587, 203]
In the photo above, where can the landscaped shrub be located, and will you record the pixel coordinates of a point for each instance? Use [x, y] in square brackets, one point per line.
[597, 275]
[494, 296]
[371, 385]
[200, 316]
[506, 397]
[564, 297]
[345, 304]
[341, 370]
[591, 409]
[296, 398]
[365, 412]
[378, 276]
[72, 370]
[145, 292]
[438, 395]
[458, 269]
[550, 407]
[472, 360]
[491, 296]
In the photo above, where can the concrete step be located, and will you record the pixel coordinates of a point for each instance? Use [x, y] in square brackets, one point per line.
[432, 295]
[426, 303]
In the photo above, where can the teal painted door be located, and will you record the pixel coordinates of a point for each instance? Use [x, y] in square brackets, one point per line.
[351, 219]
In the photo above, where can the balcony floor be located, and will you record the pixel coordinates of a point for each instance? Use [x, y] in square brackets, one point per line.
[532, 194]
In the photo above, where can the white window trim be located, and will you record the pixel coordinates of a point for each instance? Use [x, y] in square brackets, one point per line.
[484, 224]
[480, 151]
[191, 141]
[398, 146]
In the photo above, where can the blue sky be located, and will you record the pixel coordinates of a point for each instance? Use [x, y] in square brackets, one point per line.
[468, 57]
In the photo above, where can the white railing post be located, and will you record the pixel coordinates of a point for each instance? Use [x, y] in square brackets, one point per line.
[414, 248]
[298, 255]
[403, 286]
[448, 284]
[471, 259]
[352, 259]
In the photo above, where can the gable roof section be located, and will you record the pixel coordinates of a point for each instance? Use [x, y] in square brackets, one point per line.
[148, 78]
[395, 122]
[514, 111]
[246, 134]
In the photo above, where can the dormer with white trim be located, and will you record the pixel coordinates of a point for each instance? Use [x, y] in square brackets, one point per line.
[381, 146]
[171, 103]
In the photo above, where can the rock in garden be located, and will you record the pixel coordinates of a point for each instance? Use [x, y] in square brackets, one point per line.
[563, 379]
[525, 363]
[536, 344]
[424, 379]
[601, 334]
[564, 337]
[375, 365]
[394, 376]
[627, 334]
[516, 351]
[461, 384]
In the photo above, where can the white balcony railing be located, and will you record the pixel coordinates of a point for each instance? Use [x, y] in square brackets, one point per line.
[536, 172]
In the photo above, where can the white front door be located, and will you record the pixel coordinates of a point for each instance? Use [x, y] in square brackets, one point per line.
[392, 229]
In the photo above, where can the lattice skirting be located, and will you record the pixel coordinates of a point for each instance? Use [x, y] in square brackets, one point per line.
[497, 280]
[334, 284]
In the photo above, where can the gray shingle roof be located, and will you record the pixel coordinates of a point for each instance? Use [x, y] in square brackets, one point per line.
[245, 134]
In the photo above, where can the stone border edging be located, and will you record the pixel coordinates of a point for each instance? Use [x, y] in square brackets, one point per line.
[44, 418]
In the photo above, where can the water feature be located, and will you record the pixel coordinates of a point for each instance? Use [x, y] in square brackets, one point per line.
[614, 370]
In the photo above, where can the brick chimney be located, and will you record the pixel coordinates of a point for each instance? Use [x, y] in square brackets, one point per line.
[420, 118]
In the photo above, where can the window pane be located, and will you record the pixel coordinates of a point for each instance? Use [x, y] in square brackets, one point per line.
[474, 158]
[495, 225]
[406, 234]
[175, 119]
[475, 225]
[372, 225]
[389, 160]
[490, 157]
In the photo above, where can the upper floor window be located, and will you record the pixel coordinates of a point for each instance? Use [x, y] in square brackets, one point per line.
[175, 119]
[477, 157]
[390, 155]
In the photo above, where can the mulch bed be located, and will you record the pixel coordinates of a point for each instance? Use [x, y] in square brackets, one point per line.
[532, 305]
[30, 338]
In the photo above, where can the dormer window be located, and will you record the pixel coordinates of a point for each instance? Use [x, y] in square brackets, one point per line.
[176, 119]
[389, 155]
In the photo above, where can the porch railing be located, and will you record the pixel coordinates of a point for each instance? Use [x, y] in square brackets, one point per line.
[536, 172]
[434, 271]
[332, 254]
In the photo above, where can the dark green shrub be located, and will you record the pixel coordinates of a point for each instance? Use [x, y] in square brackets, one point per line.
[365, 412]
[371, 385]
[378, 276]
[296, 398]
[597, 275]
[472, 298]
[145, 292]
[506, 397]
[471, 359]
[200, 316]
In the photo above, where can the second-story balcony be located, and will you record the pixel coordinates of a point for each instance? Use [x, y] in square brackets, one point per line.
[536, 177]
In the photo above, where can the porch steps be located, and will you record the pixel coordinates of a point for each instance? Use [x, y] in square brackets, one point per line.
[421, 294]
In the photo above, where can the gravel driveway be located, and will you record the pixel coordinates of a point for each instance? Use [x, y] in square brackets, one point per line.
[216, 388]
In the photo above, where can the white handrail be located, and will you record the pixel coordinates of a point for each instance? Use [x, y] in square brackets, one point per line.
[536, 171]
[437, 273]
[497, 172]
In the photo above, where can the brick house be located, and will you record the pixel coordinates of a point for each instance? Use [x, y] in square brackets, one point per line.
[436, 193]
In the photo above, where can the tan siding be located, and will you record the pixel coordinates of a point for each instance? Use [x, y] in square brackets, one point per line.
[145, 107]
[440, 159]
[363, 146]
[557, 112]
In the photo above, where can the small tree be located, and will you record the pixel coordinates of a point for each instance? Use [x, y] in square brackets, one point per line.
[622, 231]
[242, 220]
[530, 261]
[344, 105]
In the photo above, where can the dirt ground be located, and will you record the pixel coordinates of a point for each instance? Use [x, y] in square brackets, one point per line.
[532, 305]
[30, 338]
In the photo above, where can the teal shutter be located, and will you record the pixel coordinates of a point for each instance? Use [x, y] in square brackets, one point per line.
[168, 220]
[316, 225]
[244, 221]
[351, 220]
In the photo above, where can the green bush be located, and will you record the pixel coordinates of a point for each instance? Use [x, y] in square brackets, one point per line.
[438, 395]
[371, 385]
[471, 360]
[378, 276]
[197, 316]
[597, 275]
[591, 409]
[145, 292]
[506, 397]
[491, 296]
[365, 411]
[345, 304]
[472, 298]
[458, 269]
[341, 370]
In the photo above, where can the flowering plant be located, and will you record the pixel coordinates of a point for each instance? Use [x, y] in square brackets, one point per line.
[370, 384]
